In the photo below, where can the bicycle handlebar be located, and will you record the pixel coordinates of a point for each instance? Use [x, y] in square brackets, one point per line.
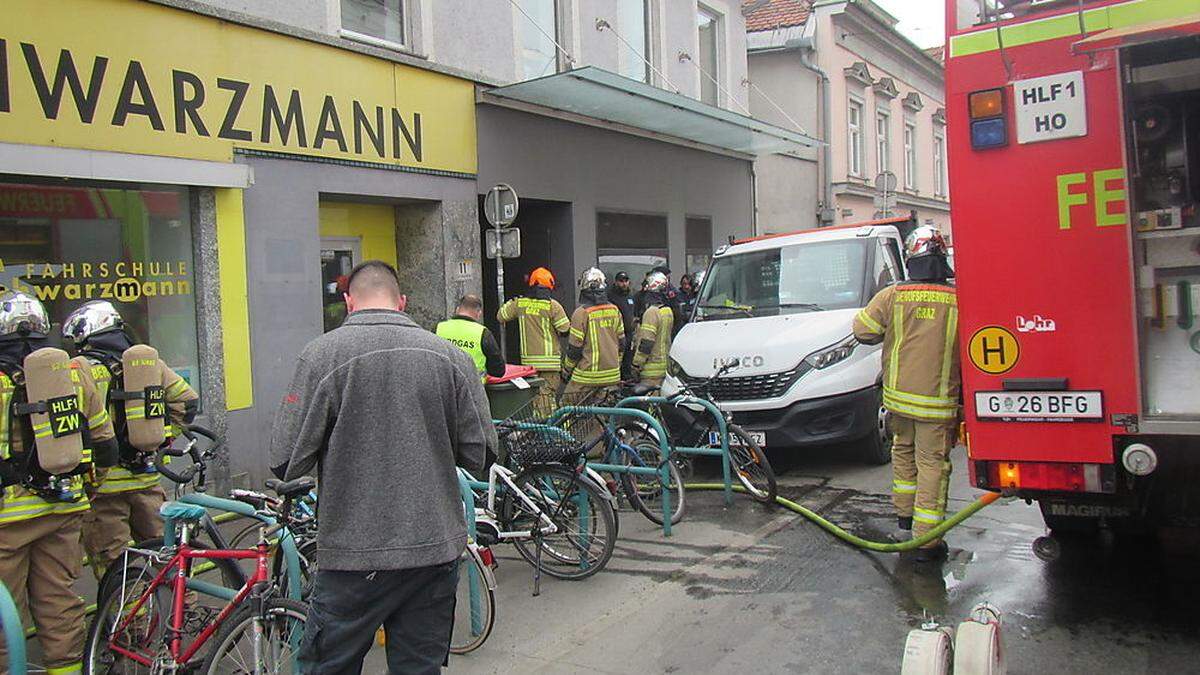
[198, 467]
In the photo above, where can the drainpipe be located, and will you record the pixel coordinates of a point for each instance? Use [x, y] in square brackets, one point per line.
[754, 201]
[807, 46]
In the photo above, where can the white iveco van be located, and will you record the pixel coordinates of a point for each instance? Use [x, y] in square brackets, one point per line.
[783, 307]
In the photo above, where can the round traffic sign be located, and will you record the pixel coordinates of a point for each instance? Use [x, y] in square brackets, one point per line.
[500, 205]
[994, 350]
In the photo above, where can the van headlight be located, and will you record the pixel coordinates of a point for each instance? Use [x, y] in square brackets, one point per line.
[674, 369]
[831, 355]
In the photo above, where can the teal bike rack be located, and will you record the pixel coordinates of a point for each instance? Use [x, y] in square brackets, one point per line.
[664, 475]
[14, 633]
[722, 428]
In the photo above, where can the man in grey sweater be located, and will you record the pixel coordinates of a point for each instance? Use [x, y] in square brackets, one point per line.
[384, 410]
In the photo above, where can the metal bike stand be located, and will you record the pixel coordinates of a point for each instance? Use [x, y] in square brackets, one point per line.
[474, 582]
[712, 409]
[664, 475]
[14, 633]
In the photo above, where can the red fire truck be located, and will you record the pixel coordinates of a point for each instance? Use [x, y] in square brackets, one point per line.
[1074, 160]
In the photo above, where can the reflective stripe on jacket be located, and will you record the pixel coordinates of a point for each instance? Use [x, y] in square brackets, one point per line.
[658, 324]
[598, 333]
[468, 336]
[918, 326]
[541, 321]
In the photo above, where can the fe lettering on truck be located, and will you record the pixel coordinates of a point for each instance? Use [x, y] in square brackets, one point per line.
[1101, 191]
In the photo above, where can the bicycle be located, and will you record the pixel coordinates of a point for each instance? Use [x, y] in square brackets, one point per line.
[145, 611]
[557, 519]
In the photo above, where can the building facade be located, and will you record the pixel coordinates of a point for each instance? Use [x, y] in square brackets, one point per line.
[841, 70]
[218, 170]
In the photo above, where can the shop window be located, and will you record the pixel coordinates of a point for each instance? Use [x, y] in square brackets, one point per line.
[708, 24]
[698, 243]
[131, 246]
[537, 31]
[633, 20]
[378, 19]
[631, 243]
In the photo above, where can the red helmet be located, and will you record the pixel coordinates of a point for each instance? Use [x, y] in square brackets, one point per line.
[541, 277]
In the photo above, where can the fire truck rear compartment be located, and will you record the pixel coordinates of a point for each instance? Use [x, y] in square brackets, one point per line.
[1162, 105]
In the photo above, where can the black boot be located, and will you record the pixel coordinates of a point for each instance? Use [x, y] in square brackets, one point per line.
[904, 522]
[932, 554]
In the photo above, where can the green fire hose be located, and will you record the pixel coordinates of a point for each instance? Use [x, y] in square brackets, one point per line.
[880, 547]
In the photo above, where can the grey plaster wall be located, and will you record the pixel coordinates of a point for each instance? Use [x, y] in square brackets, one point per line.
[208, 323]
[595, 169]
[282, 249]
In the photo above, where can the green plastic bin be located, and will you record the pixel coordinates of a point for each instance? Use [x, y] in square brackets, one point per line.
[506, 398]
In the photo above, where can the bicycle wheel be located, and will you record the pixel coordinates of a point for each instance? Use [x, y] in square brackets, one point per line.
[475, 608]
[282, 630]
[584, 538]
[645, 492]
[144, 635]
[750, 466]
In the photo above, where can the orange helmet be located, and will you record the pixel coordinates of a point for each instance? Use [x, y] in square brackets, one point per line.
[541, 277]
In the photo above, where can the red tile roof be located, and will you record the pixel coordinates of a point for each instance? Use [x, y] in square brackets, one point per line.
[772, 14]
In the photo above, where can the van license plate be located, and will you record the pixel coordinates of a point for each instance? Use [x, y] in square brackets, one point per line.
[760, 437]
[1039, 406]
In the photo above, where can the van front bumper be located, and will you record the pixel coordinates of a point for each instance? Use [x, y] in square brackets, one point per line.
[821, 421]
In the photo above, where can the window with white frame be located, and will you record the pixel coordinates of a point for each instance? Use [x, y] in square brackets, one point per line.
[939, 163]
[633, 22]
[382, 20]
[910, 156]
[883, 142]
[854, 137]
[537, 30]
[708, 58]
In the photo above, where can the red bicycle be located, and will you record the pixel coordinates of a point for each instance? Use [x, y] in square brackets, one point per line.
[149, 610]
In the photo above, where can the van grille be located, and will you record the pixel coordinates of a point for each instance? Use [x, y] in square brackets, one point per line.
[753, 387]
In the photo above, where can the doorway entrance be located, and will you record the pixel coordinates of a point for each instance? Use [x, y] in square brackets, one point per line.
[339, 255]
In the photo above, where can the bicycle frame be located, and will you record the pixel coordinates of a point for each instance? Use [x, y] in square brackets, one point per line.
[499, 475]
[181, 563]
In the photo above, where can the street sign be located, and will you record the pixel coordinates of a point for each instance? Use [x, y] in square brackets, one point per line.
[500, 206]
[885, 182]
[510, 242]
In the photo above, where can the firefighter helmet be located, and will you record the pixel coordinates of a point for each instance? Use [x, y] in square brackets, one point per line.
[541, 277]
[924, 240]
[22, 314]
[91, 318]
[592, 280]
[657, 282]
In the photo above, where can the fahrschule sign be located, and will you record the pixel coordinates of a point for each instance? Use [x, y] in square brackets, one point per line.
[130, 76]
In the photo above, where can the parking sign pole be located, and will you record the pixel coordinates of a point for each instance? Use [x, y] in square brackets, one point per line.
[497, 220]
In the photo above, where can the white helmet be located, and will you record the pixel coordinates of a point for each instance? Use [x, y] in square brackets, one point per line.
[22, 314]
[922, 241]
[657, 282]
[90, 318]
[592, 280]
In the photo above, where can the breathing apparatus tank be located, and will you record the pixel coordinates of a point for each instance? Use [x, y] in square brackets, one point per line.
[145, 398]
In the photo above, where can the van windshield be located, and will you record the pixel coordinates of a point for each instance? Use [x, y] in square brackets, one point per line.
[790, 279]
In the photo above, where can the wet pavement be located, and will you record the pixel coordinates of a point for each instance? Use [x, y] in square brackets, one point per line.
[750, 588]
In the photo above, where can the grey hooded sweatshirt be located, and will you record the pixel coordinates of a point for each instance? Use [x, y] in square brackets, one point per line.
[384, 410]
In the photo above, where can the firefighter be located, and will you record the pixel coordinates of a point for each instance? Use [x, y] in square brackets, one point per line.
[542, 320]
[597, 333]
[917, 322]
[466, 330]
[653, 341]
[56, 432]
[127, 499]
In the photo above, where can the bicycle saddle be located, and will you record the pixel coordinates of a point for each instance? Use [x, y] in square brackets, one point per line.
[292, 488]
[181, 511]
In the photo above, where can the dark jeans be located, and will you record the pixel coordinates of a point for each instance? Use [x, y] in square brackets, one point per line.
[414, 606]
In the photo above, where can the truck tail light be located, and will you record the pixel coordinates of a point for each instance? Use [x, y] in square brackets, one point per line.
[989, 127]
[1060, 476]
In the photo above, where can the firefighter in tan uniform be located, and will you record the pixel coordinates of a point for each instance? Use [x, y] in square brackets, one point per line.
[653, 342]
[542, 320]
[126, 501]
[54, 431]
[597, 333]
[917, 322]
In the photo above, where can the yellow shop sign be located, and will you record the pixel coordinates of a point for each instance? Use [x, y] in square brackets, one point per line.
[131, 76]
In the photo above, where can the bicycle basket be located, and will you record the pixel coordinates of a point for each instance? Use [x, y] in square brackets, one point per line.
[529, 437]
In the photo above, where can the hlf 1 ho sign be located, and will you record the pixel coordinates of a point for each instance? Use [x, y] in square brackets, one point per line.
[1051, 107]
